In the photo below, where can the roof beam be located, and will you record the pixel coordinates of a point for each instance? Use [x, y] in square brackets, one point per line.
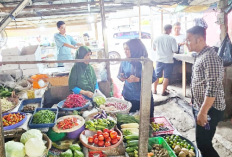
[30, 23]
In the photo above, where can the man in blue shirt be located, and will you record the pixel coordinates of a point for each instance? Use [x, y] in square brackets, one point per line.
[64, 43]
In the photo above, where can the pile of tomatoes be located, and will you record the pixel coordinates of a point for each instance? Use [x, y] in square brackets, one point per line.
[12, 119]
[105, 138]
[67, 123]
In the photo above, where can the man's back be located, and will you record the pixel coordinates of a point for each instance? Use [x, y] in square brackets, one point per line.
[165, 46]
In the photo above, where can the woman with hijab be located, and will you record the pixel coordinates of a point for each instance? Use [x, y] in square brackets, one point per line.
[82, 78]
[130, 73]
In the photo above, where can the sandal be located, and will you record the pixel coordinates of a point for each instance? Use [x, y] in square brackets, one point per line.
[165, 93]
[155, 92]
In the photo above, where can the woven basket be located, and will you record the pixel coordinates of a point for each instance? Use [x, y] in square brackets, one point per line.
[58, 81]
[110, 100]
[84, 140]
[48, 144]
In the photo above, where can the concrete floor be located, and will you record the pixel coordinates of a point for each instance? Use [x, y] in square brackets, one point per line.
[177, 109]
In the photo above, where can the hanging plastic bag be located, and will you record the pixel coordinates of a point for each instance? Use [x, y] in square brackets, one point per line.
[200, 22]
[225, 51]
[98, 97]
[116, 90]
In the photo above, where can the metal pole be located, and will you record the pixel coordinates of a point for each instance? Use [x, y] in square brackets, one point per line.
[104, 33]
[152, 26]
[140, 23]
[96, 32]
[162, 22]
[145, 102]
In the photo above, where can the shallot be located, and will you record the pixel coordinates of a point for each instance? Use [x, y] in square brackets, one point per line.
[117, 105]
[75, 100]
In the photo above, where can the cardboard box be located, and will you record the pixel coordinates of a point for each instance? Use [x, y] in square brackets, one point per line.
[11, 52]
[9, 58]
[31, 53]
[9, 67]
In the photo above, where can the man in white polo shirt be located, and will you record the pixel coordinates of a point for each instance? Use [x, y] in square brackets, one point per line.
[180, 38]
[165, 46]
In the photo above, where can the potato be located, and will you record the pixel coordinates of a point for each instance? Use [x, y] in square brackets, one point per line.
[191, 153]
[182, 154]
[177, 149]
[186, 151]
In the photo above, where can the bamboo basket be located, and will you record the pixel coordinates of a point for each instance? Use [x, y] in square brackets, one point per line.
[58, 81]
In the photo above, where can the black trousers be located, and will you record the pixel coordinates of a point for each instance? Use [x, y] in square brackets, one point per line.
[136, 106]
[204, 137]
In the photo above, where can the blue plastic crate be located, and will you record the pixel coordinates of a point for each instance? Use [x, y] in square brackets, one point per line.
[34, 126]
[30, 101]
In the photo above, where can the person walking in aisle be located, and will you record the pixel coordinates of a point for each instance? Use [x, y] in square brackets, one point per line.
[180, 38]
[165, 46]
[64, 43]
[207, 90]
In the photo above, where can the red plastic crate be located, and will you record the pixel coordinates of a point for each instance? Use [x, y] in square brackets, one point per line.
[166, 123]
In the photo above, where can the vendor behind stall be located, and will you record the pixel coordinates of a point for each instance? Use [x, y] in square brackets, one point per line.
[82, 78]
[131, 72]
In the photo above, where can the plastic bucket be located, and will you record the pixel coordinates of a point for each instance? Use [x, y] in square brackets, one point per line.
[76, 134]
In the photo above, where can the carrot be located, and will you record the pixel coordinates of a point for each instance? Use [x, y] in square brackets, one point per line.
[150, 154]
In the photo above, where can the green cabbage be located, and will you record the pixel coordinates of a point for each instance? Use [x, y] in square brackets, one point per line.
[33, 133]
[14, 149]
[35, 147]
[78, 154]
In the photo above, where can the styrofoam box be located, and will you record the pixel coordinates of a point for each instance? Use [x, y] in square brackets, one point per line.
[30, 72]
[30, 66]
[9, 67]
[31, 53]
[9, 58]
[15, 73]
[11, 52]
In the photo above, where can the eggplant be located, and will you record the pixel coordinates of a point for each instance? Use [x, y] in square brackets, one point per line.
[96, 115]
[99, 116]
[104, 114]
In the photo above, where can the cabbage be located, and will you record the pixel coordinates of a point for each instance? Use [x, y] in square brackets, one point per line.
[14, 149]
[33, 133]
[35, 147]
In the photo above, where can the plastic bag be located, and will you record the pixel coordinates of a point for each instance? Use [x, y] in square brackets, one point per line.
[225, 51]
[98, 97]
[116, 91]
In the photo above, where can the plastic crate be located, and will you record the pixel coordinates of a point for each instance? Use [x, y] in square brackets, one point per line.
[166, 123]
[34, 126]
[30, 101]
[161, 141]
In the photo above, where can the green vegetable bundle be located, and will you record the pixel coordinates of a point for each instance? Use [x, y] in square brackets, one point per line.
[100, 124]
[99, 100]
[5, 92]
[43, 117]
[125, 118]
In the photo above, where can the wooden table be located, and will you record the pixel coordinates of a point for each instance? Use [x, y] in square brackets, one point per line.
[185, 58]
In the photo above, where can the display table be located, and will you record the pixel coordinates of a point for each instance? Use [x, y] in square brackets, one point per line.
[184, 58]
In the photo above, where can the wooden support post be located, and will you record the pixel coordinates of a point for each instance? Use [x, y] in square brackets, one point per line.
[104, 33]
[145, 102]
[152, 26]
[222, 5]
[96, 32]
[184, 78]
[2, 141]
[162, 22]
[140, 23]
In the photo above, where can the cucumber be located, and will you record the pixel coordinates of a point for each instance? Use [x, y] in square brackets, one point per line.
[132, 137]
[131, 149]
[133, 143]
[99, 127]
[131, 154]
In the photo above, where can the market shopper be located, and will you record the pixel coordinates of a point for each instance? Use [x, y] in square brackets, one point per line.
[130, 73]
[82, 78]
[165, 46]
[180, 38]
[64, 43]
[207, 90]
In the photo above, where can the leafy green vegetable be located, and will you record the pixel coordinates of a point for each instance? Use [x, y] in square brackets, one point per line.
[33, 133]
[43, 117]
[14, 149]
[99, 100]
[124, 118]
[78, 154]
[35, 147]
[75, 147]
[68, 153]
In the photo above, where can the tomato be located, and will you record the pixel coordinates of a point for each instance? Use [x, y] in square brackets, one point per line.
[113, 135]
[99, 132]
[95, 136]
[101, 143]
[108, 139]
[100, 137]
[107, 144]
[90, 139]
[118, 138]
[106, 130]
[114, 141]
[106, 135]
[96, 141]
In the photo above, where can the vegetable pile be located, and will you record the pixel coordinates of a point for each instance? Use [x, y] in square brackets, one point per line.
[158, 127]
[5, 92]
[113, 106]
[73, 151]
[181, 147]
[125, 118]
[67, 123]
[43, 117]
[100, 124]
[131, 135]
[75, 100]
[100, 115]
[99, 100]
[105, 138]
[158, 151]
[12, 119]
[6, 105]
